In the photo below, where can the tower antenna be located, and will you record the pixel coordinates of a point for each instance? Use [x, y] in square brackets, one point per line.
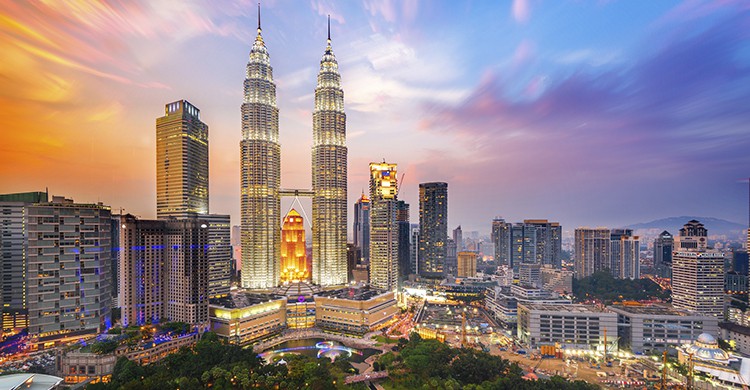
[258, 16]
[329, 28]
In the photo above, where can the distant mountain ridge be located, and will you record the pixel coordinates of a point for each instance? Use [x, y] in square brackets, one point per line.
[715, 226]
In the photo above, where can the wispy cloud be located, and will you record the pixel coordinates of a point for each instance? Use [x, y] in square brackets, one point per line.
[521, 10]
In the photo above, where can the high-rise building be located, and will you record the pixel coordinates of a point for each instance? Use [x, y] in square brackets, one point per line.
[383, 226]
[693, 236]
[181, 162]
[663, 246]
[362, 227]
[13, 266]
[592, 251]
[164, 270]
[523, 245]
[548, 241]
[433, 228]
[451, 257]
[698, 282]
[467, 265]
[219, 254]
[501, 232]
[260, 172]
[624, 254]
[458, 237]
[414, 249]
[68, 263]
[293, 249]
[404, 249]
[329, 156]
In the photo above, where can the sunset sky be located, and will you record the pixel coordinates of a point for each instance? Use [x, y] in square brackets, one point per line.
[599, 113]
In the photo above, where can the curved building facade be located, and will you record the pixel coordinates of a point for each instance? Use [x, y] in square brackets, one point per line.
[329, 175]
[260, 173]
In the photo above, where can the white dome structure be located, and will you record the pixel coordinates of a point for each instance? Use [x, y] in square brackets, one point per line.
[706, 348]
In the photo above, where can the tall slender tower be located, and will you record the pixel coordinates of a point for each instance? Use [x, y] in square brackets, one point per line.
[260, 173]
[384, 226]
[181, 162]
[329, 174]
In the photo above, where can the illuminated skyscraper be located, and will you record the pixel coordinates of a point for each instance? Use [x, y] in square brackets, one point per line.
[663, 254]
[362, 227]
[293, 256]
[260, 173]
[181, 161]
[383, 226]
[329, 155]
[433, 228]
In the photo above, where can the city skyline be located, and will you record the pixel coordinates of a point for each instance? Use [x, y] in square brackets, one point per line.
[489, 90]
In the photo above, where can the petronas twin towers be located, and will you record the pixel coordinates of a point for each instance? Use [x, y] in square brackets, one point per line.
[261, 174]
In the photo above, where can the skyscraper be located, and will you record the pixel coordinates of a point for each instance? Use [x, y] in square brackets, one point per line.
[458, 237]
[362, 227]
[663, 246]
[164, 270]
[698, 281]
[592, 251]
[404, 249]
[624, 254]
[383, 226]
[329, 156]
[219, 254]
[433, 228]
[501, 231]
[68, 264]
[260, 172]
[293, 249]
[181, 162]
[523, 245]
[548, 241]
[466, 265]
[697, 272]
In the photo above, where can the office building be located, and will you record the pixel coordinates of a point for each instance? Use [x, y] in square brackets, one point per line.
[467, 265]
[181, 162]
[293, 249]
[458, 237]
[548, 241]
[404, 245]
[260, 172]
[501, 232]
[625, 254]
[68, 279]
[362, 227]
[354, 311]
[164, 270]
[243, 318]
[592, 251]
[433, 228]
[698, 282]
[414, 249]
[693, 237]
[571, 326]
[329, 156]
[663, 246]
[219, 254]
[383, 226]
[646, 329]
[451, 257]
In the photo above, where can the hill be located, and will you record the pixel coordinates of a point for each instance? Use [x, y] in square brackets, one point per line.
[715, 226]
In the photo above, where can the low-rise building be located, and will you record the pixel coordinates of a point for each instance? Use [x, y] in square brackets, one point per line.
[572, 326]
[502, 302]
[78, 366]
[557, 280]
[655, 328]
[354, 311]
[738, 334]
[243, 318]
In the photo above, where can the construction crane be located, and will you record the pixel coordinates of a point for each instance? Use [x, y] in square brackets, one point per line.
[463, 328]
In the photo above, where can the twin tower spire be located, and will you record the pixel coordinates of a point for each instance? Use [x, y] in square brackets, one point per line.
[260, 187]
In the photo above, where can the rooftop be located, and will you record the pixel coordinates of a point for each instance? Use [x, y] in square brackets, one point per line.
[354, 294]
[240, 299]
[653, 310]
[736, 328]
[562, 307]
[29, 382]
